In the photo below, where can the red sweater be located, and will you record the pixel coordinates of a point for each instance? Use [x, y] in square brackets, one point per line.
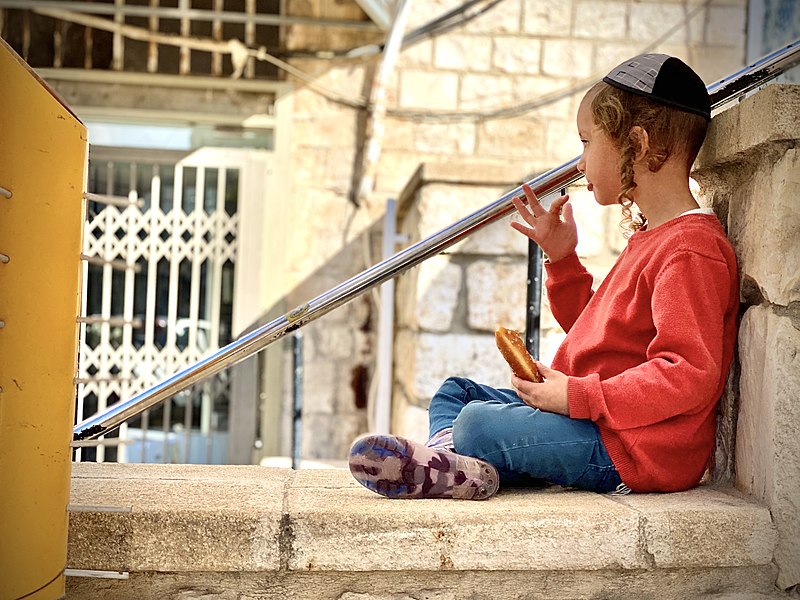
[648, 353]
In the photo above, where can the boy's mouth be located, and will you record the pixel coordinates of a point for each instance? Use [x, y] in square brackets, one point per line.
[589, 187]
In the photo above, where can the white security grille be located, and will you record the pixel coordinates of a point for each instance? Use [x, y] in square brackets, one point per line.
[161, 244]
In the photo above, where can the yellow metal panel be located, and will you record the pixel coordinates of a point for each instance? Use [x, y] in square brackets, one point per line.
[43, 153]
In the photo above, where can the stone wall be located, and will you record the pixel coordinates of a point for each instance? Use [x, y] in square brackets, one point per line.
[750, 169]
[442, 102]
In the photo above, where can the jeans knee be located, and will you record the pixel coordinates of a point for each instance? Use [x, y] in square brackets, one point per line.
[457, 383]
[453, 388]
[469, 429]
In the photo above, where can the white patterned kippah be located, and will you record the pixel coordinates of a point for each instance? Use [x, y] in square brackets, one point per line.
[663, 79]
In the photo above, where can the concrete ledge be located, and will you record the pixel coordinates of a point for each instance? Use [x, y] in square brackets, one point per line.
[201, 520]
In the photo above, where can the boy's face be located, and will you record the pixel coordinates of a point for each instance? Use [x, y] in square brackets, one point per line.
[600, 159]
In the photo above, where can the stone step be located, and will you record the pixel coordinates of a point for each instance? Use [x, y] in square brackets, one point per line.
[258, 532]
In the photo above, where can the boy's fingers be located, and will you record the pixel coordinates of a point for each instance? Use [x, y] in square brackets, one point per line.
[555, 207]
[535, 207]
[542, 368]
[568, 216]
[526, 231]
[524, 211]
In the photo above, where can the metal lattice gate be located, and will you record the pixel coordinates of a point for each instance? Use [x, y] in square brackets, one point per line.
[161, 244]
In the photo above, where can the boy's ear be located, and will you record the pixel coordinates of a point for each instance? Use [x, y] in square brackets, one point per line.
[640, 142]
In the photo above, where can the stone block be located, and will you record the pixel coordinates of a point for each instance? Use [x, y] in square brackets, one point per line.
[711, 66]
[423, 10]
[764, 218]
[770, 117]
[329, 436]
[650, 21]
[441, 205]
[571, 58]
[529, 88]
[256, 532]
[175, 518]
[767, 445]
[742, 583]
[485, 91]
[601, 20]
[452, 139]
[517, 55]
[429, 359]
[547, 18]
[399, 135]
[438, 291]
[496, 239]
[521, 136]
[334, 126]
[417, 55]
[406, 299]
[347, 528]
[463, 53]
[561, 141]
[496, 294]
[501, 19]
[428, 90]
[320, 378]
[549, 343]
[721, 26]
[703, 527]
[595, 225]
[396, 168]
[328, 342]
[411, 421]
[609, 54]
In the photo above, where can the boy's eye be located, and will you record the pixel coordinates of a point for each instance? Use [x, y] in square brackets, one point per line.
[584, 142]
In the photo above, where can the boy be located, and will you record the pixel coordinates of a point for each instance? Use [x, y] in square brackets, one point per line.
[629, 403]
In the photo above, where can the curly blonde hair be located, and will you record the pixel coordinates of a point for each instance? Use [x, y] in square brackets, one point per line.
[670, 131]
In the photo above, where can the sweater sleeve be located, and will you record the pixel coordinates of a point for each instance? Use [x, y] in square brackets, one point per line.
[569, 289]
[684, 360]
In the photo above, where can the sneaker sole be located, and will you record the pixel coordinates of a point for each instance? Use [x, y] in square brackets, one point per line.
[395, 467]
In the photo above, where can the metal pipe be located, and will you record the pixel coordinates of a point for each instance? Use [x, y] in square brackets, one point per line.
[297, 399]
[534, 300]
[551, 182]
[382, 413]
[748, 78]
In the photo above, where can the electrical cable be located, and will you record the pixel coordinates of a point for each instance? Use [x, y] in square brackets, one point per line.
[430, 29]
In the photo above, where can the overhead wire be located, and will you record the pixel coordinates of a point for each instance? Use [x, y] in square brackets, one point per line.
[454, 18]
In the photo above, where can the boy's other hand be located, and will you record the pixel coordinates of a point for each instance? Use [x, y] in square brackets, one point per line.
[549, 396]
[558, 238]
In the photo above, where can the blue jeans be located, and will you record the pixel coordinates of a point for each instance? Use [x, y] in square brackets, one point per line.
[523, 443]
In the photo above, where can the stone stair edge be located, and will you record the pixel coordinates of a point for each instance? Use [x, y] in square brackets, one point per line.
[251, 518]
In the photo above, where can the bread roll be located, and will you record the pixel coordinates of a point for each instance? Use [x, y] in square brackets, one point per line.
[513, 350]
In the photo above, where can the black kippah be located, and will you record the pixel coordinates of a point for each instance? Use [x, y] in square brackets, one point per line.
[663, 79]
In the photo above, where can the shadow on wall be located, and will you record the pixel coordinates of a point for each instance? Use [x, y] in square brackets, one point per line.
[339, 357]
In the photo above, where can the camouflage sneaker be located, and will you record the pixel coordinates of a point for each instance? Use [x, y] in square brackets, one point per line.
[395, 467]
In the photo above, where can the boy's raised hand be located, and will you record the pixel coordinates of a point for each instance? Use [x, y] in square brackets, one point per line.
[549, 396]
[557, 238]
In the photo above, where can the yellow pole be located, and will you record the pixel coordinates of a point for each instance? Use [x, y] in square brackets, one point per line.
[43, 153]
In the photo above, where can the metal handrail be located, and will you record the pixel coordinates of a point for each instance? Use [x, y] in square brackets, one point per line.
[722, 91]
